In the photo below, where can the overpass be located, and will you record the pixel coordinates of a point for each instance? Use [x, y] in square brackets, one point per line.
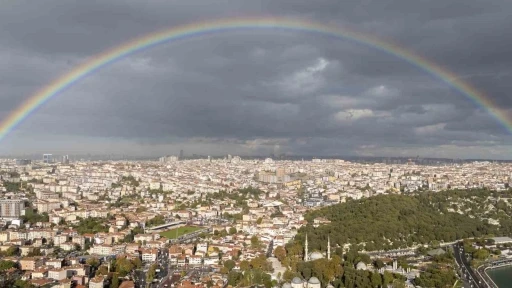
[166, 225]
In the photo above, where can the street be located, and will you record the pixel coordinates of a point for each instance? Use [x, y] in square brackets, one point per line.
[139, 276]
[468, 275]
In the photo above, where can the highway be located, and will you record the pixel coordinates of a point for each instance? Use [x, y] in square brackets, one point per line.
[469, 277]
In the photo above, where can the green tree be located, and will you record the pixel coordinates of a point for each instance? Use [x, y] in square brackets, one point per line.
[123, 266]
[288, 275]
[229, 264]
[6, 265]
[102, 270]
[280, 253]
[115, 281]
[376, 280]
[151, 272]
[232, 231]
[481, 254]
[137, 263]
[387, 278]
[245, 265]
[255, 242]
[93, 261]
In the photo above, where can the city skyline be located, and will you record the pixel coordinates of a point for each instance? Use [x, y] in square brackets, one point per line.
[259, 92]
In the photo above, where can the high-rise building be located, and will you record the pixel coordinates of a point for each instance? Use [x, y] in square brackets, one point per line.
[47, 158]
[182, 154]
[65, 159]
[166, 159]
[11, 208]
[21, 162]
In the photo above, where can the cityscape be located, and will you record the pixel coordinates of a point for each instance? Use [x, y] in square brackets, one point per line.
[233, 222]
[255, 144]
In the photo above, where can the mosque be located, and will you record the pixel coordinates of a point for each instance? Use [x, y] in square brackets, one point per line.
[316, 255]
[313, 282]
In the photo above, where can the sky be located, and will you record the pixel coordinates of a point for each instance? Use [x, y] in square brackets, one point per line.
[256, 92]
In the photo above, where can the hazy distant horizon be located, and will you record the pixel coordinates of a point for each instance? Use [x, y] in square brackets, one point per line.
[105, 157]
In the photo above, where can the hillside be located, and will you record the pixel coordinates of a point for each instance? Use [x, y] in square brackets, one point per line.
[396, 221]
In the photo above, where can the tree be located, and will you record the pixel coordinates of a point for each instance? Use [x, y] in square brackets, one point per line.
[255, 242]
[379, 264]
[22, 284]
[407, 219]
[123, 266]
[229, 264]
[481, 254]
[232, 231]
[102, 270]
[259, 220]
[280, 253]
[245, 265]
[224, 270]
[93, 261]
[6, 265]
[306, 273]
[234, 277]
[398, 283]
[137, 263]
[376, 280]
[261, 263]
[151, 273]
[288, 275]
[115, 281]
[387, 278]
[12, 251]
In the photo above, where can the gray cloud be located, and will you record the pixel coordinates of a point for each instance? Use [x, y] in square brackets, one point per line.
[258, 91]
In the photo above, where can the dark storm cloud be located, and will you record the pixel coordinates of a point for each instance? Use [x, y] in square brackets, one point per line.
[259, 91]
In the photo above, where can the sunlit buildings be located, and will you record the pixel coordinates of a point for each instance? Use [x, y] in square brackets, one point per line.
[11, 208]
[47, 158]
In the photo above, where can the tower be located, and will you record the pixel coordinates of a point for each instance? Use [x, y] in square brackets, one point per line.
[328, 247]
[306, 254]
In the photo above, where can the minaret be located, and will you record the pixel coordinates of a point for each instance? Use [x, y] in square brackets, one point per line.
[306, 256]
[328, 247]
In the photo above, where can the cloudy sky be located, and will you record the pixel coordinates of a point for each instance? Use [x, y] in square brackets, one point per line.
[255, 92]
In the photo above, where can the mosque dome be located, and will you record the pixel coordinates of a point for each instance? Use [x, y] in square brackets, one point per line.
[313, 280]
[287, 285]
[297, 280]
[361, 266]
[329, 286]
[315, 256]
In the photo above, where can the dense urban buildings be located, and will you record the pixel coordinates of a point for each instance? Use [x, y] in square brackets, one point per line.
[173, 215]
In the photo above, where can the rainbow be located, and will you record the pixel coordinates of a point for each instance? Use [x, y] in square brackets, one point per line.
[225, 25]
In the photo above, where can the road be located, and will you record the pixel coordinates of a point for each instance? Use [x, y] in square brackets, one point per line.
[162, 260]
[469, 277]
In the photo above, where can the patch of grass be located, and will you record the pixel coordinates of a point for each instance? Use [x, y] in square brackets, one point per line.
[180, 231]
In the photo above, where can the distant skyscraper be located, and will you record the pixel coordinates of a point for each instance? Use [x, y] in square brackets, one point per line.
[166, 159]
[182, 154]
[65, 159]
[21, 162]
[47, 158]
